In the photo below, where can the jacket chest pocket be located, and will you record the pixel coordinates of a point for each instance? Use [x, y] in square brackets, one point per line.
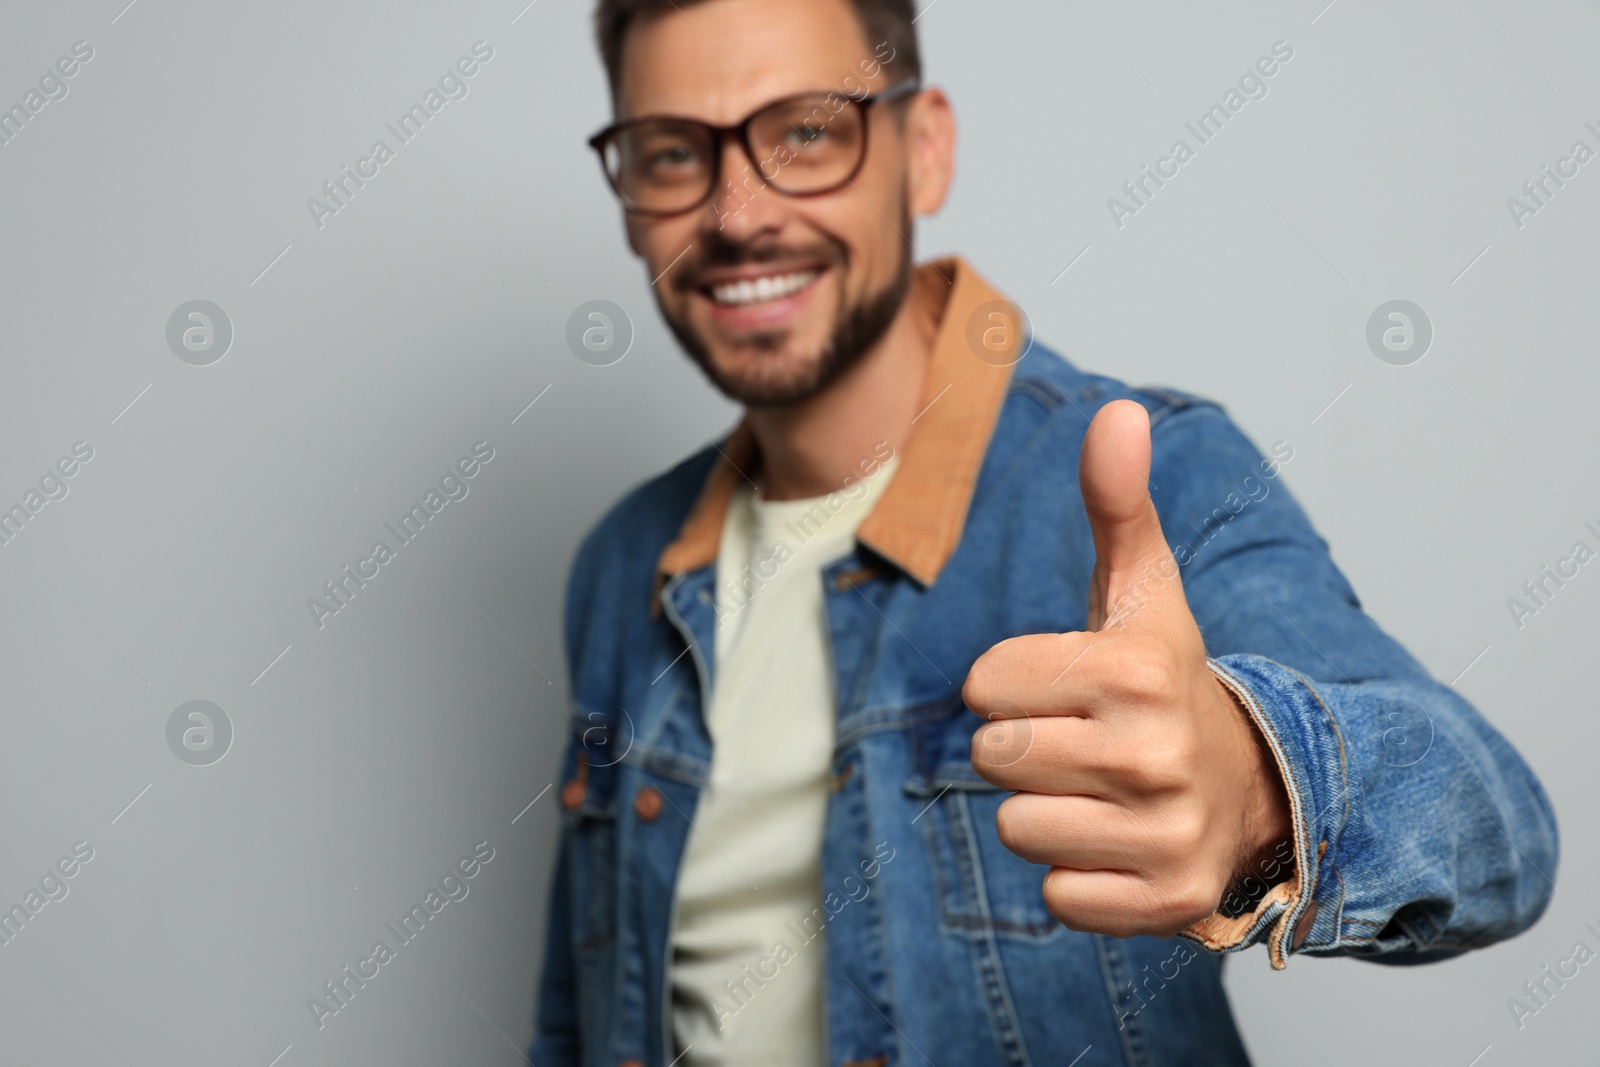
[983, 888]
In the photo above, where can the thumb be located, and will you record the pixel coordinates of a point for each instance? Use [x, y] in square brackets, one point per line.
[1133, 564]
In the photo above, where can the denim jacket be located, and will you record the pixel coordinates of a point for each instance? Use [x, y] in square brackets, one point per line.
[1418, 831]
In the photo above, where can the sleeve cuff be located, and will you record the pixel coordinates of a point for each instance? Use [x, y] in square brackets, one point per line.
[1305, 741]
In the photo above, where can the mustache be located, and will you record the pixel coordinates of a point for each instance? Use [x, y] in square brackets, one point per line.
[724, 253]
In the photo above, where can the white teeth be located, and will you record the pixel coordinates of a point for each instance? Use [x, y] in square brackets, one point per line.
[767, 287]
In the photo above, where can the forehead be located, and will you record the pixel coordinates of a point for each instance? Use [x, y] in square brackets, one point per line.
[719, 59]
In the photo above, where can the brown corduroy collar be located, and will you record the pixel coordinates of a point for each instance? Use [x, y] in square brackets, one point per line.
[917, 523]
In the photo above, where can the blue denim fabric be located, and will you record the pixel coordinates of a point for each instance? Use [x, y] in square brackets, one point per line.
[1420, 831]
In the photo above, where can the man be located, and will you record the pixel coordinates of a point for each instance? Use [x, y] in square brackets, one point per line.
[900, 713]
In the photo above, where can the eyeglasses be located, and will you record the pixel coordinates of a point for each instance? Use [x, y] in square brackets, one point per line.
[801, 145]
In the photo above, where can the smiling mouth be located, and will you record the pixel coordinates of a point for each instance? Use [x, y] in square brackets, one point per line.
[747, 292]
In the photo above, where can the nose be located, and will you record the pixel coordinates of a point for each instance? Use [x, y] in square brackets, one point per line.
[742, 203]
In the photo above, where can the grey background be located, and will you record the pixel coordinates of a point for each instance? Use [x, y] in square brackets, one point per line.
[370, 354]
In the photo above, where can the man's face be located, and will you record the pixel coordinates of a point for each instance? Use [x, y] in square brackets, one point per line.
[836, 265]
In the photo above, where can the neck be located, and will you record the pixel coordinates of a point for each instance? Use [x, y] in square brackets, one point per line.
[809, 449]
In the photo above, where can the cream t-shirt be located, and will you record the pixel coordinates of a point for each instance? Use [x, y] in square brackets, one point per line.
[746, 967]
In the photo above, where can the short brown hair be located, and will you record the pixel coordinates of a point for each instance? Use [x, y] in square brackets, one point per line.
[882, 22]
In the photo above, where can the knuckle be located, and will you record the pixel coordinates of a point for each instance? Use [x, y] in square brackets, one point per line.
[1060, 903]
[1166, 763]
[974, 692]
[1190, 831]
[1179, 834]
[1146, 676]
[985, 684]
[1190, 899]
[997, 757]
[1004, 746]
[1009, 825]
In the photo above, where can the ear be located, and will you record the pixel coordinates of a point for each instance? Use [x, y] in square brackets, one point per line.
[930, 133]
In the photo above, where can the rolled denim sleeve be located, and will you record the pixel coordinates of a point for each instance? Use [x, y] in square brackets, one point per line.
[1419, 832]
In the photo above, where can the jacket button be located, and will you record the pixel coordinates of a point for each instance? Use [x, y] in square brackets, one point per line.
[647, 803]
[572, 794]
[1302, 929]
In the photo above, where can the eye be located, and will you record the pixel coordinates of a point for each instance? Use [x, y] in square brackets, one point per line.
[669, 160]
[677, 155]
[806, 135]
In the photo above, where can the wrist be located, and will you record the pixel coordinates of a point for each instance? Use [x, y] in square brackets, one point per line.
[1265, 848]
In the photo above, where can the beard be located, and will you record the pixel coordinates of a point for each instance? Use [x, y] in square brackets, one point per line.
[856, 329]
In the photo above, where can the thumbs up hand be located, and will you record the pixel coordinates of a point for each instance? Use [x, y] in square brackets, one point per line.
[1140, 779]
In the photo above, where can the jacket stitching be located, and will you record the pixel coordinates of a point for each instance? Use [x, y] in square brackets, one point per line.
[1344, 777]
[1115, 973]
[1002, 1012]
